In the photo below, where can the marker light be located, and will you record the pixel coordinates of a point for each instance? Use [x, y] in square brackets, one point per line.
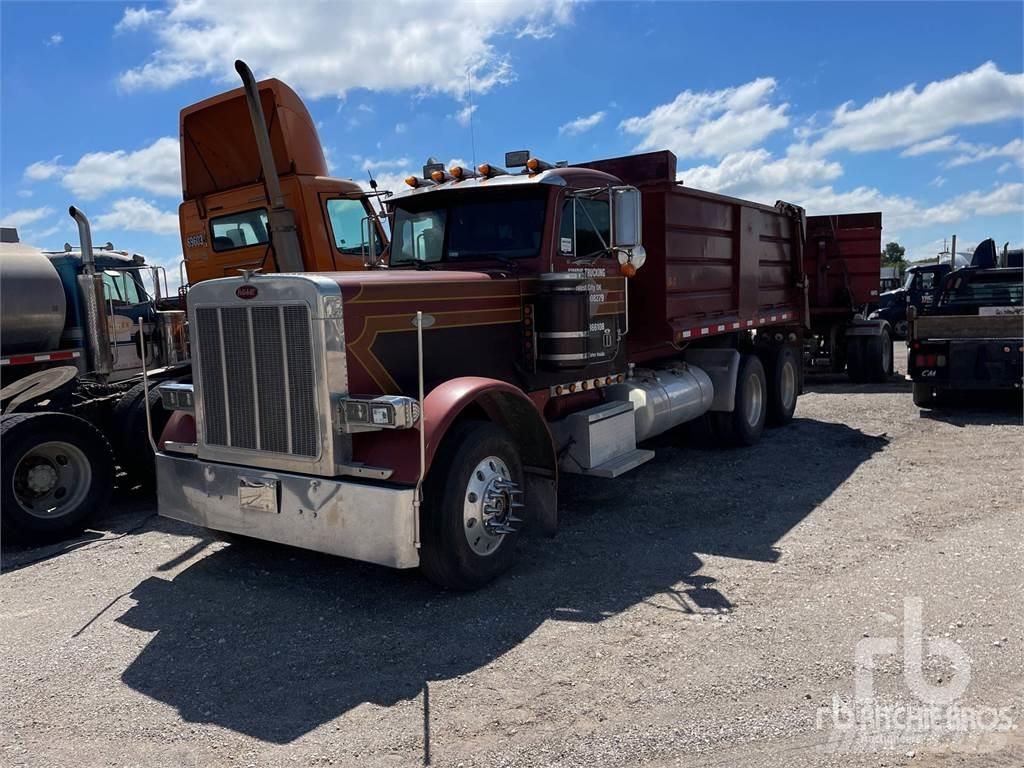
[459, 173]
[416, 181]
[439, 176]
[487, 170]
[536, 165]
[627, 268]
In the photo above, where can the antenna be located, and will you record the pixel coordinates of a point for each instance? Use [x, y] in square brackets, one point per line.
[472, 109]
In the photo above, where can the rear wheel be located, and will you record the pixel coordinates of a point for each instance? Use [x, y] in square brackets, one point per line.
[134, 452]
[927, 396]
[57, 470]
[471, 514]
[878, 356]
[782, 373]
[744, 424]
[856, 359]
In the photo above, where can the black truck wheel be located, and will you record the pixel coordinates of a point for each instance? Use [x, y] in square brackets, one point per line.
[856, 359]
[782, 373]
[878, 356]
[470, 519]
[131, 441]
[57, 471]
[927, 396]
[744, 424]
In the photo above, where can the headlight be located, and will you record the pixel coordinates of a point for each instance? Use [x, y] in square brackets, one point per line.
[385, 412]
[177, 397]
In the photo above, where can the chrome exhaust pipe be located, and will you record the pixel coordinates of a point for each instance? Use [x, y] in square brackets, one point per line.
[283, 234]
[95, 323]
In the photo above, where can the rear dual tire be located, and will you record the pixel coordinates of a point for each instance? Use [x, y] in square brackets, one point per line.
[57, 471]
[744, 424]
[870, 358]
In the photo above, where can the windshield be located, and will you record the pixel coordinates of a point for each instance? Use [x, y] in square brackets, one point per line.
[446, 228]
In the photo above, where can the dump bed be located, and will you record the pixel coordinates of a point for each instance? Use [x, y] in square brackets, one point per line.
[842, 260]
[715, 264]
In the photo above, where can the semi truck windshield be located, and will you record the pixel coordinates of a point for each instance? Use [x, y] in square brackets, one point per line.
[468, 230]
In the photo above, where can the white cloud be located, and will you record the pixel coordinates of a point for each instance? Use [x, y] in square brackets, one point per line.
[43, 169]
[941, 144]
[463, 116]
[582, 124]
[711, 123]
[25, 216]
[137, 215]
[910, 116]
[135, 18]
[325, 49]
[54, 40]
[376, 163]
[155, 169]
[401, 128]
[24, 193]
[976, 154]
[756, 175]
[938, 182]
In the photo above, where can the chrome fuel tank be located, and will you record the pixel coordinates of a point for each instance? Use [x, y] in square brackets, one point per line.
[664, 399]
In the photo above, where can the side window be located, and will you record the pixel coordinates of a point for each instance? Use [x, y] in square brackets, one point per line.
[239, 230]
[121, 288]
[348, 227]
[926, 281]
[592, 230]
[422, 237]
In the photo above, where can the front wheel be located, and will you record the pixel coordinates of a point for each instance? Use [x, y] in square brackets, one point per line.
[744, 424]
[57, 470]
[472, 507]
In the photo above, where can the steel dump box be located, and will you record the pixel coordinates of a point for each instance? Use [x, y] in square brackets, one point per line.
[842, 260]
[715, 264]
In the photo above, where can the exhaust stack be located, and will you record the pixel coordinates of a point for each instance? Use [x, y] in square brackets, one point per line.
[95, 323]
[283, 235]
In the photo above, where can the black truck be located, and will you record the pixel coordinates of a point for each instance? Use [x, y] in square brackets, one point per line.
[920, 290]
[971, 339]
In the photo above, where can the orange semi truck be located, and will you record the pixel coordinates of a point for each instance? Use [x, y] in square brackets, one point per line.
[231, 203]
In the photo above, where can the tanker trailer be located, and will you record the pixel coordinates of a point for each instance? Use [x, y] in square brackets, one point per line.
[74, 331]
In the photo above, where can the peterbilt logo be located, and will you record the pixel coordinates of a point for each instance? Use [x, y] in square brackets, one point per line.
[246, 291]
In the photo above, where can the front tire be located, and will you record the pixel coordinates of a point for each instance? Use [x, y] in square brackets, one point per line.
[469, 524]
[745, 423]
[57, 471]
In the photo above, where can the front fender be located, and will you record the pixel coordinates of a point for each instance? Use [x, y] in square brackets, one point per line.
[399, 449]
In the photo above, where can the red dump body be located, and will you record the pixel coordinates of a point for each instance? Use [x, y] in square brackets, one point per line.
[715, 264]
[842, 262]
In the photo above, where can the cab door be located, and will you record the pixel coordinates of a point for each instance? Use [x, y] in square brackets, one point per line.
[349, 226]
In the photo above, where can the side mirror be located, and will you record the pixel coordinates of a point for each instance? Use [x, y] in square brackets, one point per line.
[370, 233]
[626, 228]
[626, 217]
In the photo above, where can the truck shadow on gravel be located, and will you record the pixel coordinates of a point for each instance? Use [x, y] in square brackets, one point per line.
[273, 642]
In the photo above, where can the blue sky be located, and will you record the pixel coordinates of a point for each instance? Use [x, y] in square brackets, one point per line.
[915, 109]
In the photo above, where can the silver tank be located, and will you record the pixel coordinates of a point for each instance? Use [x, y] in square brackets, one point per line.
[664, 399]
[32, 302]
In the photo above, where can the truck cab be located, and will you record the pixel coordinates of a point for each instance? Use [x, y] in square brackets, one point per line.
[971, 338]
[225, 213]
[921, 287]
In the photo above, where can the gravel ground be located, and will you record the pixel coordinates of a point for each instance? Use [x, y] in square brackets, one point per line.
[702, 610]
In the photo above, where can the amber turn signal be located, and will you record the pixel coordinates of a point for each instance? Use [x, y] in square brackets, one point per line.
[412, 181]
[627, 269]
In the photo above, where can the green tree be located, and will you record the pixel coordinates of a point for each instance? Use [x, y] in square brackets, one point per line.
[893, 254]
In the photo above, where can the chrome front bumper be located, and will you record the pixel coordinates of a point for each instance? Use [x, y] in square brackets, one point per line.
[372, 523]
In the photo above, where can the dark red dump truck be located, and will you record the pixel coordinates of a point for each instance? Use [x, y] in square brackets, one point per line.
[519, 325]
[841, 261]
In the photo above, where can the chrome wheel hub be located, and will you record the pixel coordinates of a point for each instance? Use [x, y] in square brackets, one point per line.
[491, 501]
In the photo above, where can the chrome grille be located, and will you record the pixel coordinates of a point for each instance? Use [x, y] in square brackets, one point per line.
[258, 386]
